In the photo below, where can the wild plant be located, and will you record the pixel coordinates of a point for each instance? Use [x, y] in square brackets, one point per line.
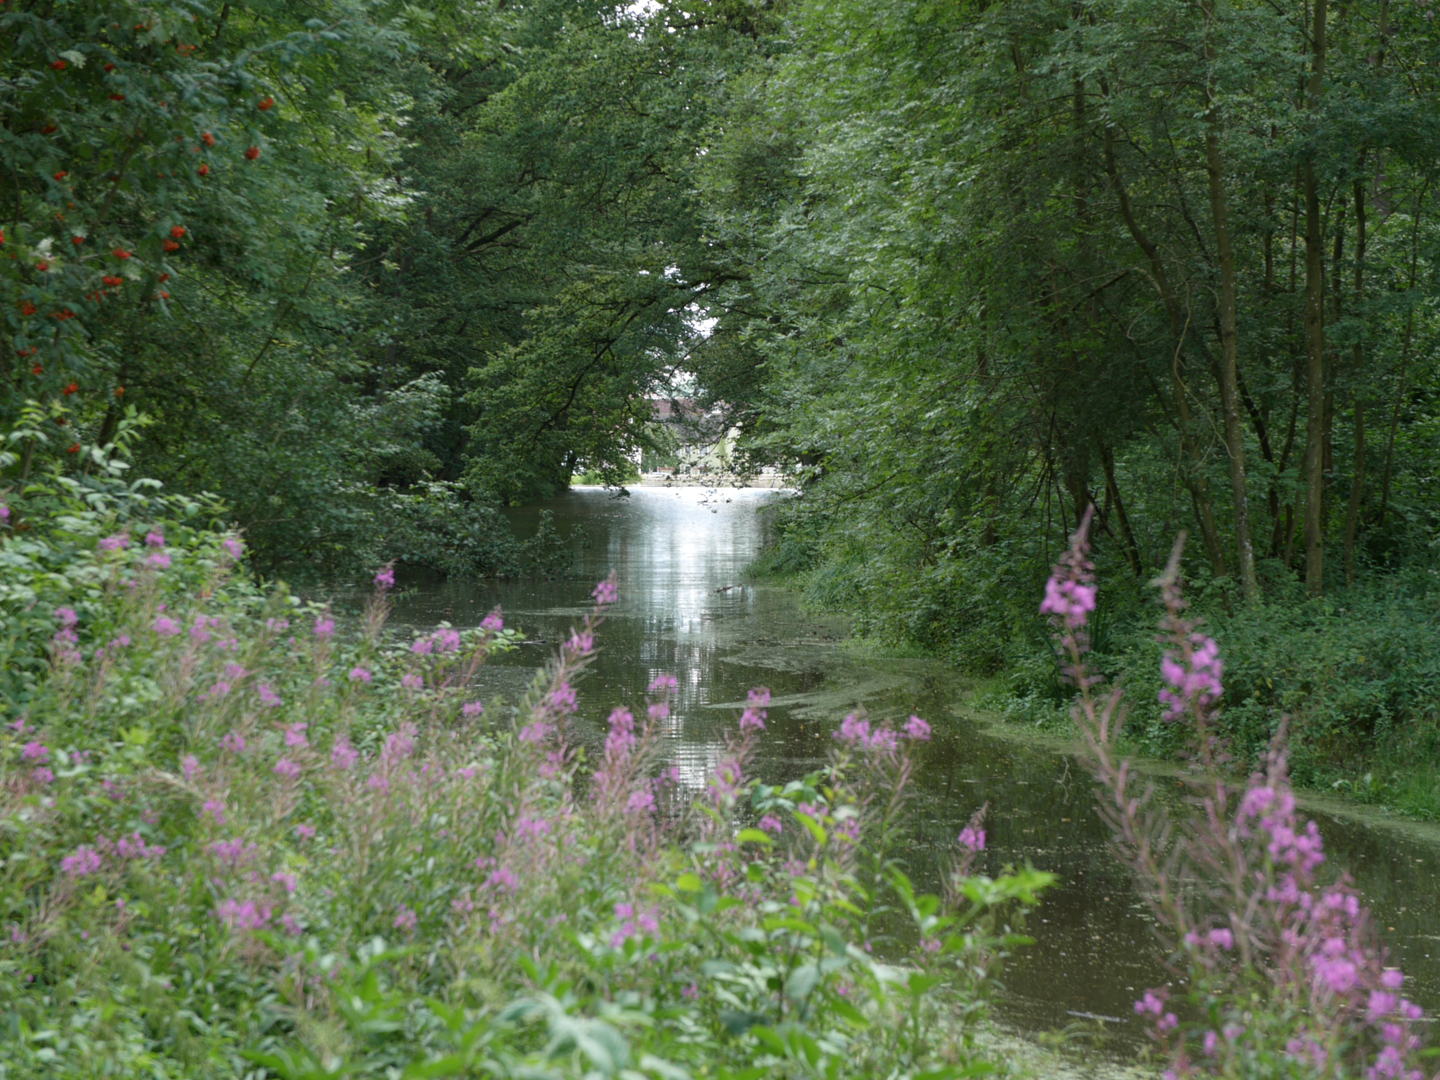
[244, 832]
[1283, 971]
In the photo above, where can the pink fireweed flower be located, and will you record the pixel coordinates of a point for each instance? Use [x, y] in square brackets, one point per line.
[234, 672]
[493, 622]
[323, 627]
[135, 847]
[663, 684]
[472, 708]
[446, 640]
[155, 539]
[640, 802]
[658, 710]
[972, 838]
[160, 560]
[305, 832]
[215, 810]
[1194, 679]
[605, 593]
[385, 578]
[883, 741]
[42, 775]
[219, 690]
[290, 881]
[1071, 600]
[405, 920]
[771, 824]
[295, 736]
[579, 644]
[189, 766]
[268, 697]
[246, 916]
[85, 860]
[377, 783]
[422, 646]
[115, 543]
[233, 743]
[1150, 1005]
[399, 745]
[534, 733]
[917, 729]
[67, 616]
[755, 715]
[286, 768]
[413, 682]
[503, 879]
[622, 732]
[34, 751]
[562, 698]
[528, 828]
[233, 547]
[291, 924]
[359, 674]
[1380, 1005]
[277, 626]
[854, 730]
[342, 755]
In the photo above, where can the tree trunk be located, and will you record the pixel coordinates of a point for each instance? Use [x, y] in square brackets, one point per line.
[1404, 359]
[1315, 335]
[1112, 491]
[1229, 393]
[1357, 483]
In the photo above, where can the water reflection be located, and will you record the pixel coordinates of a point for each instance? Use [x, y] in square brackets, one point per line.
[686, 610]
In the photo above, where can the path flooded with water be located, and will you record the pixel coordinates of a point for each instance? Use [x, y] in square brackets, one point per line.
[686, 609]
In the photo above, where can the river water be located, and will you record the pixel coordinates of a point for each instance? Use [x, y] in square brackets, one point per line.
[686, 609]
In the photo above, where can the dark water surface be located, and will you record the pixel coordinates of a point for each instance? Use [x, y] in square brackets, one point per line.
[686, 609]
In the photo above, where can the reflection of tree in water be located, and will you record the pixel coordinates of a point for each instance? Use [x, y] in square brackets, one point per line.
[551, 553]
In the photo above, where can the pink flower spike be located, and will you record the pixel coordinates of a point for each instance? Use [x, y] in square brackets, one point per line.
[385, 578]
[472, 708]
[605, 593]
[324, 627]
[972, 838]
[493, 622]
[155, 539]
[917, 729]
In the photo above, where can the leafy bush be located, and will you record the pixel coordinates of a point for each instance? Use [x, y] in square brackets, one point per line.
[236, 836]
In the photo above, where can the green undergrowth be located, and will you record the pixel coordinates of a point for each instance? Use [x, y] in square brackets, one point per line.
[1356, 675]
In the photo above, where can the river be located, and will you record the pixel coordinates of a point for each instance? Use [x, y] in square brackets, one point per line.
[687, 609]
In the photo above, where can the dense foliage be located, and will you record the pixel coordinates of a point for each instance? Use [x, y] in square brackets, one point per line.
[994, 263]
